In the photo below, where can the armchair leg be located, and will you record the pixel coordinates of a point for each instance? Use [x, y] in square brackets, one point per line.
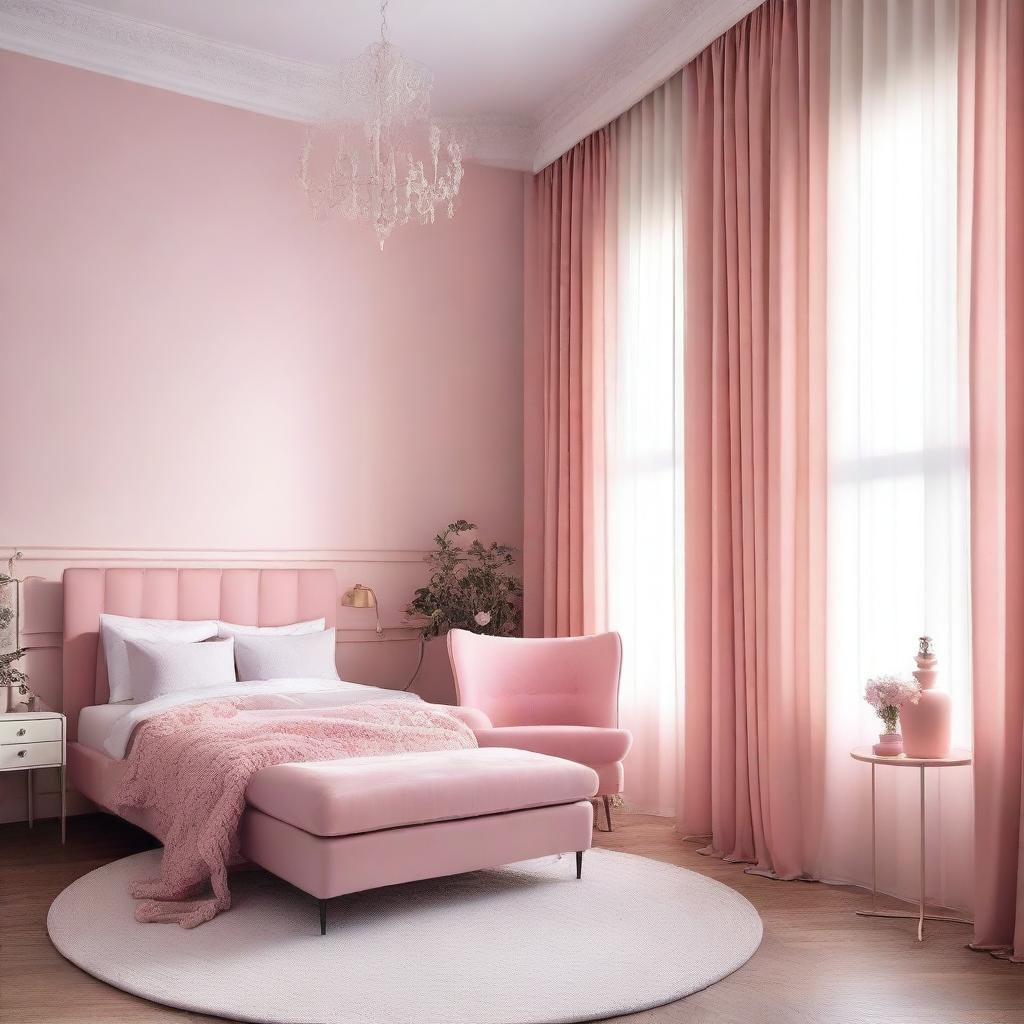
[323, 917]
[579, 863]
[608, 810]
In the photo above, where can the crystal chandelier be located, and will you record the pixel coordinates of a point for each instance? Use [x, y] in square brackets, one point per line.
[378, 118]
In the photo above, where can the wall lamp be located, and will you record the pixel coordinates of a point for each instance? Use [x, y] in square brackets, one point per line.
[363, 597]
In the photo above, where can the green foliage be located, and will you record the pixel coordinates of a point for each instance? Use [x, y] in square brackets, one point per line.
[9, 675]
[890, 716]
[468, 586]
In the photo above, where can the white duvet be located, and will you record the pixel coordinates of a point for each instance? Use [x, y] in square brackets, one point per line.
[304, 693]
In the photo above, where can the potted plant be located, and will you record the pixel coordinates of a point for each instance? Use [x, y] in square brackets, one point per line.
[469, 587]
[11, 679]
[887, 694]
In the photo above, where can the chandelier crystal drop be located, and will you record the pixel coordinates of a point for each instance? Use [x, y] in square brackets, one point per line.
[385, 163]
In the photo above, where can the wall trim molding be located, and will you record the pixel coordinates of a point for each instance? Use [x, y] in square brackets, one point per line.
[399, 633]
[216, 556]
[71, 32]
[110, 43]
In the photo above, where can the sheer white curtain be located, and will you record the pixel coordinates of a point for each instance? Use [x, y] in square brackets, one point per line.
[898, 487]
[644, 431]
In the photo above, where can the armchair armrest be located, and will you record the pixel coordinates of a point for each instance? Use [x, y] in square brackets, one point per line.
[473, 717]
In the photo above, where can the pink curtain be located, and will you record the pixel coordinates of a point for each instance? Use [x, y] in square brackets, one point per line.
[757, 108]
[992, 269]
[566, 297]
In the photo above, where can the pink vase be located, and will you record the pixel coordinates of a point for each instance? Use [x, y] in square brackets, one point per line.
[890, 744]
[926, 725]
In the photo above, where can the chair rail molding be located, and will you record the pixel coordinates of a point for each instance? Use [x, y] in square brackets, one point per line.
[70, 32]
[219, 556]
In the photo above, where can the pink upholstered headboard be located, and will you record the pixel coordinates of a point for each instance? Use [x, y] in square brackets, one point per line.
[256, 597]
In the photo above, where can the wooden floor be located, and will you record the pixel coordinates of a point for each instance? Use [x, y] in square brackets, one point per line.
[818, 963]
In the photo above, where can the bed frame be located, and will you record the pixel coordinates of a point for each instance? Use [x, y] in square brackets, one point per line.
[256, 597]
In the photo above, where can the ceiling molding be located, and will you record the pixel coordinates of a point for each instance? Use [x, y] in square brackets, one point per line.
[495, 140]
[139, 51]
[74, 33]
[654, 50]
[85, 37]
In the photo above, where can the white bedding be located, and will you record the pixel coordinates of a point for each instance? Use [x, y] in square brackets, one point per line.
[94, 723]
[108, 727]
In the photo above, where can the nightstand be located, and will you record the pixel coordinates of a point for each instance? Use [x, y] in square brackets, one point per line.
[35, 739]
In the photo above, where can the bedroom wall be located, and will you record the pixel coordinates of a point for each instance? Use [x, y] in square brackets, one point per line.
[195, 371]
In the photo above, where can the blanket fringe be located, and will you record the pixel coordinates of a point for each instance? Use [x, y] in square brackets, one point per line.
[189, 914]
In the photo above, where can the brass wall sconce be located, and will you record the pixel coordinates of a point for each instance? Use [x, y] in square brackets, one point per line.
[363, 597]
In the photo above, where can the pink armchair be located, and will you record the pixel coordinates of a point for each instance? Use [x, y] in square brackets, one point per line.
[556, 696]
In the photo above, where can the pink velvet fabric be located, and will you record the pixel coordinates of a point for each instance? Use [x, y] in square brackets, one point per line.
[551, 681]
[754, 372]
[195, 792]
[557, 695]
[992, 268]
[565, 284]
[577, 742]
[97, 776]
[330, 866]
[367, 794]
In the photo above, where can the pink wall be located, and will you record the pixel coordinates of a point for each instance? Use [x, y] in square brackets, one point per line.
[196, 369]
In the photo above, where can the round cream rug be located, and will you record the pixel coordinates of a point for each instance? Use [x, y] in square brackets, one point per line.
[527, 944]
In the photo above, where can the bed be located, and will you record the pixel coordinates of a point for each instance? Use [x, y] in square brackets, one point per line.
[258, 597]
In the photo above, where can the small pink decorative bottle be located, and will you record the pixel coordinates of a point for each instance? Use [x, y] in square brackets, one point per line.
[926, 725]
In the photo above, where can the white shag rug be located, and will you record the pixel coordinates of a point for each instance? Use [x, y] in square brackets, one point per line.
[526, 944]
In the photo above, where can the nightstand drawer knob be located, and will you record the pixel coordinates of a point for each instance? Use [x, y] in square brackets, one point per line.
[21, 732]
[22, 753]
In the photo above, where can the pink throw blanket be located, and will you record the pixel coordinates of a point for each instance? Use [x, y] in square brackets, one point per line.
[191, 765]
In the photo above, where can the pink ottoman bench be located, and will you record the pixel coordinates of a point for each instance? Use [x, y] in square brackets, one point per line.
[335, 827]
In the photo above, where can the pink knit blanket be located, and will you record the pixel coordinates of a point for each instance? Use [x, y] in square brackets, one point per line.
[190, 767]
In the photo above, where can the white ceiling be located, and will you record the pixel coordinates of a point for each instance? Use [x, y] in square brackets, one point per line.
[488, 56]
[528, 77]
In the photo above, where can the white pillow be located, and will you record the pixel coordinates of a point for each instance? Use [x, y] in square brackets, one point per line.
[308, 656]
[158, 667]
[115, 630]
[293, 629]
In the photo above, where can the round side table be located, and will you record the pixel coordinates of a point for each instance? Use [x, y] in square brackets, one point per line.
[954, 759]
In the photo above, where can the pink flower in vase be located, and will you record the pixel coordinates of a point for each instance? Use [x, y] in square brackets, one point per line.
[887, 694]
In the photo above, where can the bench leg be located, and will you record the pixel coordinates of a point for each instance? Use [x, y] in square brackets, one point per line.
[579, 863]
[323, 917]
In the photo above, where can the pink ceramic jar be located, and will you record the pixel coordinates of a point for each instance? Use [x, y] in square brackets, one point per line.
[926, 725]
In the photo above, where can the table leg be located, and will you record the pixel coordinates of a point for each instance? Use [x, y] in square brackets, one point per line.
[874, 861]
[31, 798]
[920, 916]
[63, 804]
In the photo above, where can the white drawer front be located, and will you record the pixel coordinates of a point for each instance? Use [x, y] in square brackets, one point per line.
[29, 730]
[30, 755]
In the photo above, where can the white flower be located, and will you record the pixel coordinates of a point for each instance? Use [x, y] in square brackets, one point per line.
[482, 618]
